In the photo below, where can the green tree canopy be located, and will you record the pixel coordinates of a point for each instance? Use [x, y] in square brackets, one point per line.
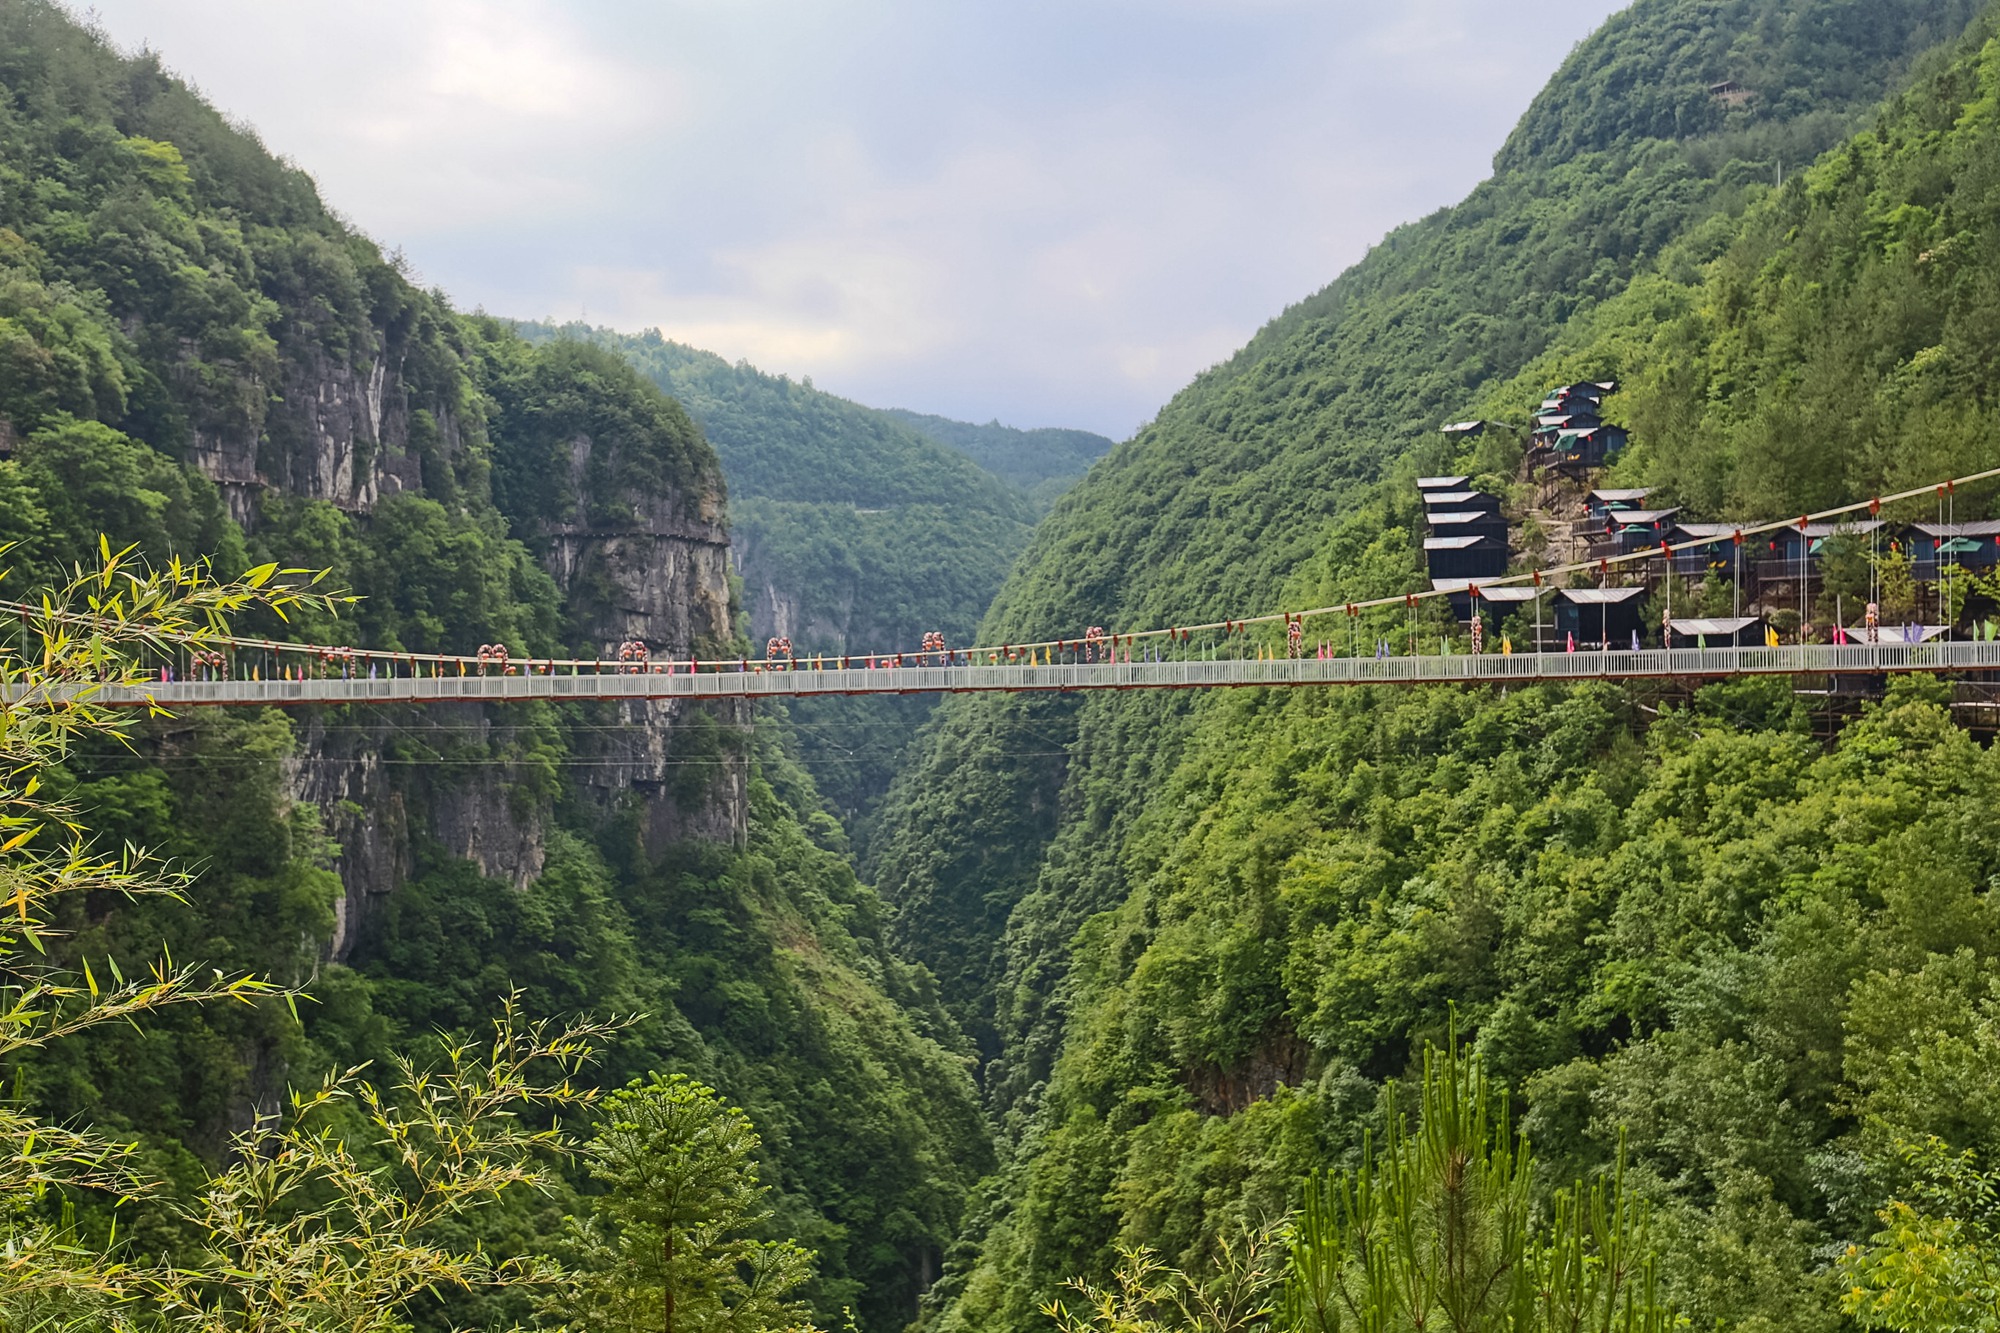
[672, 1244]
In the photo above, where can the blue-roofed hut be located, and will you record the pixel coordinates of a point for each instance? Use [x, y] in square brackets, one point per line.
[1599, 617]
[1935, 547]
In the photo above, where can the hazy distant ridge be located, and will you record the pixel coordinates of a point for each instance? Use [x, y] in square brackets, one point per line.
[1044, 462]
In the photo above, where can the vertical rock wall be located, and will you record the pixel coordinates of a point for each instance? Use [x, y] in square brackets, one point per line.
[341, 433]
[660, 577]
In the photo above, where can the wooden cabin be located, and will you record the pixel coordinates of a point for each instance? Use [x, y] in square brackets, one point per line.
[1591, 447]
[1935, 547]
[1599, 617]
[1496, 603]
[1792, 551]
[1715, 551]
[1425, 485]
[1465, 430]
[1447, 501]
[1469, 556]
[1467, 522]
[1632, 530]
[1600, 503]
[1571, 396]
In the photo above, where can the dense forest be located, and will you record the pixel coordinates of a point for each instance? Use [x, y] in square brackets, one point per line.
[1195, 937]
[201, 360]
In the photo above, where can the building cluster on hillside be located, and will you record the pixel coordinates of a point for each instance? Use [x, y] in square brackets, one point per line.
[1467, 543]
[1570, 433]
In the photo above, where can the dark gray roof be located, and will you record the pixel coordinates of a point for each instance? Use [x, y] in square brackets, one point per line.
[1600, 596]
[1639, 517]
[1459, 517]
[1990, 528]
[1453, 543]
[1442, 483]
[1863, 527]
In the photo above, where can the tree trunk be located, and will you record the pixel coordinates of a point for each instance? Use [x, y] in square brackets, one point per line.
[667, 1268]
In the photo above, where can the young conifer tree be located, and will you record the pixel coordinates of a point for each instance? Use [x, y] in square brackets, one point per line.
[670, 1246]
[1440, 1230]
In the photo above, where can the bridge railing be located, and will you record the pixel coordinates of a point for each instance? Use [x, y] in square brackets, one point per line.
[1804, 660]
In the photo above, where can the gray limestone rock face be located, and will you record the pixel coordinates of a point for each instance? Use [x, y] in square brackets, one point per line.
[480, 812]
[659, 576]
[776, 609]
[347, 428]
[334, 430]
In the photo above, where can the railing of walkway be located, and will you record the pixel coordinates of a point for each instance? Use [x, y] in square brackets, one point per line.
[1800, 660]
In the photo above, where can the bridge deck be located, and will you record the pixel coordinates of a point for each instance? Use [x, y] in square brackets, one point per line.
[1806, 660]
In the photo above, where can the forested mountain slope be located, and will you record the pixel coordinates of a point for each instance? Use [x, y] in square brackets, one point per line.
[1044, 462]
[1839, 340]
[196, 356]
[1195, 935]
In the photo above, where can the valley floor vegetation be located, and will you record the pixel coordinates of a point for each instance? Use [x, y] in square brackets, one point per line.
[344, 1209]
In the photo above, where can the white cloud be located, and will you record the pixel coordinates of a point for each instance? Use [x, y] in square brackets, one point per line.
[1042, 210]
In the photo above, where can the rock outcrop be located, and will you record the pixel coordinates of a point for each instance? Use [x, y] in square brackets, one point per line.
[659, 575]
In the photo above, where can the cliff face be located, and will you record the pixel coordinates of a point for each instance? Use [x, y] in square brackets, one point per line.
[609, 484]
[648, 564]
[778, 609]
[654, 568]
[337, 431]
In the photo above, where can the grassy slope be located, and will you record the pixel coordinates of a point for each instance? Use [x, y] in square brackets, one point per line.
[1252, 490]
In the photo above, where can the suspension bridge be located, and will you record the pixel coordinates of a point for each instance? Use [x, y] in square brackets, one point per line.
[1213, 655]
[1695, 664]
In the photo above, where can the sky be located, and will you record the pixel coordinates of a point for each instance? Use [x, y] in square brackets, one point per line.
[1046, 212]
